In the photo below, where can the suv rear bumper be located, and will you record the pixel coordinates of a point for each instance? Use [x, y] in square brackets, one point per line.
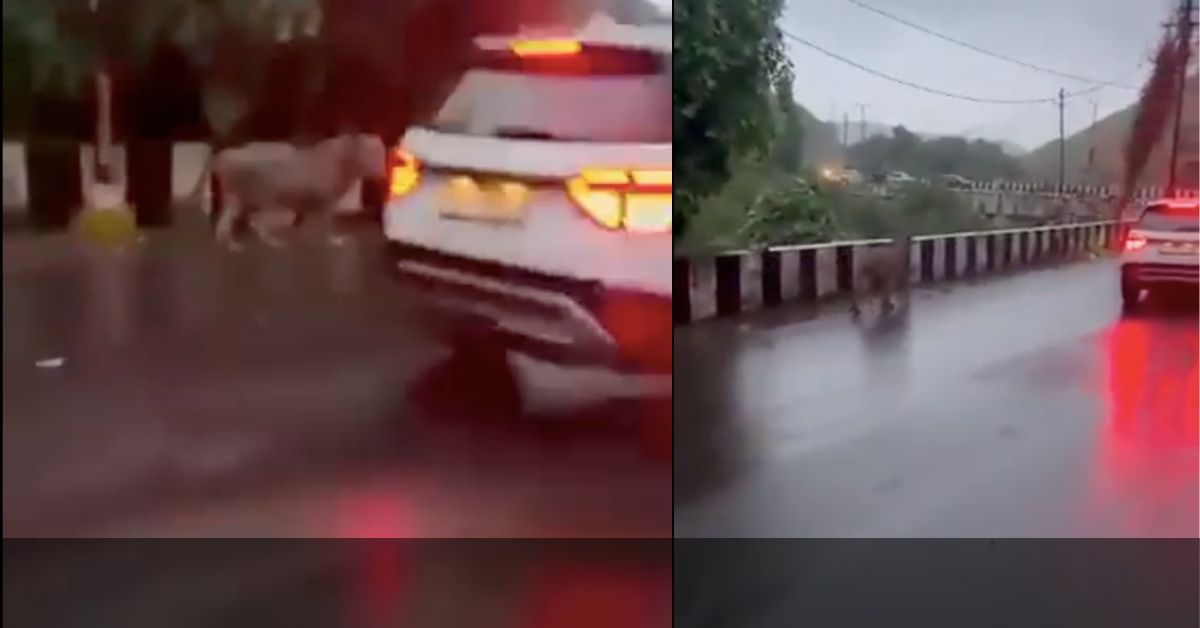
[554, 318]
[1147, 273]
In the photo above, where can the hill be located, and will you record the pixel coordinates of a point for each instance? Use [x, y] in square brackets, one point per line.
[1109, 136]
[822, 142]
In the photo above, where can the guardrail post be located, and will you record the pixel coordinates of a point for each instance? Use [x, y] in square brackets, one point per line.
[1023, 247]
[729, 284]
[772, 279]
[681, 291]
[808, 275]
[1006, 241]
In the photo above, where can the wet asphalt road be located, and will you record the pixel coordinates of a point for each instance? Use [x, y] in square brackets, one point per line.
[1023, 406]
[312, 583]
[188, 391]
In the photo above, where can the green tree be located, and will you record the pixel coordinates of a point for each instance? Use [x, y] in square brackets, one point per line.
[728, 56]
[788, 151]
[66, 41]
[792, 213]
[978, 159]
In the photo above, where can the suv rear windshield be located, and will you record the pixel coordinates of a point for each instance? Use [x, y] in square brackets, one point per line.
[597, 94]
[1163, 217]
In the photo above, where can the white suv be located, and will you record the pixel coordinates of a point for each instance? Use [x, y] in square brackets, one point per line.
[1162, 249]
[533, 211]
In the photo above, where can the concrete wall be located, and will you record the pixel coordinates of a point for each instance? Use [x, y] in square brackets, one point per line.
[188, 160]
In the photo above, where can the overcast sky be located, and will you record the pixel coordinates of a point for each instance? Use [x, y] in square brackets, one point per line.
[1102, 39]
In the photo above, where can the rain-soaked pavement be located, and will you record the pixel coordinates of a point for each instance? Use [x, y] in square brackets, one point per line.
[1023, 406]
[181, 390]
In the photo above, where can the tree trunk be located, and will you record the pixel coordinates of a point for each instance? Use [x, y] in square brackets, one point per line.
[104, 149]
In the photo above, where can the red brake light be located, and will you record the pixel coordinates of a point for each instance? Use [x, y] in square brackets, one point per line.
[1135, 242]
[403, 172]
[637, 200]
[545, 47]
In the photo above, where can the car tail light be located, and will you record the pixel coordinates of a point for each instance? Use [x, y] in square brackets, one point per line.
[1135, 242]
[403, 173]
[637, 200]
[545, 47]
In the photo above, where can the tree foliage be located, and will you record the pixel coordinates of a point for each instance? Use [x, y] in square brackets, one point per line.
[792, 213]
[787, 153]
[64, 41]
[1156, 103]
[977, 159]
[728, 58]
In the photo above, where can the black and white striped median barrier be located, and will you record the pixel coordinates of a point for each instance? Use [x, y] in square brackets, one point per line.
[736, 283]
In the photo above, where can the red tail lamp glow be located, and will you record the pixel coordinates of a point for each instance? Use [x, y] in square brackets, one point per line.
[1135, 242]
[636, 200]
[545, 47]
[403, 173]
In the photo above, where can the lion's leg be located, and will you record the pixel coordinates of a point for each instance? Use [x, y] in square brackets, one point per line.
[226, 222]
[266, 225]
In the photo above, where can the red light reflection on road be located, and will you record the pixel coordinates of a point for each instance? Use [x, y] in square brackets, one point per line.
[1147, 455]
[380, 583]
[569, 594]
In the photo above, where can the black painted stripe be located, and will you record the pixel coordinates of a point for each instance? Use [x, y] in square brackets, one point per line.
[990, 246]
[729, 284]
[950, 258]
[681, 291]
[927, 260]
[845, 268]
[772, 279]
[808, 275]
[972, 256]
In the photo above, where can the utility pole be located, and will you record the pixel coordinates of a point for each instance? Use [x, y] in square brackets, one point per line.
[1062, 144]
[862, 121]
[845, 130]
[1183, 35]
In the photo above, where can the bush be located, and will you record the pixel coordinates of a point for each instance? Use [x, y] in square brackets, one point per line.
[791, 213]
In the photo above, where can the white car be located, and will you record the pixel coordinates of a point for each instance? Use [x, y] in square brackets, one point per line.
[533, 211]
[1162, 249]
[897, 177]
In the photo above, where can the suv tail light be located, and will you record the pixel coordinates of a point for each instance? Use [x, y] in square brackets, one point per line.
[637, 200]
[1135, 242]
[545, 47]
[403, 173]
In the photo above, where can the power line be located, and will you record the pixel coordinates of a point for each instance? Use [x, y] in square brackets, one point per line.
[984, 51]
[933, 90]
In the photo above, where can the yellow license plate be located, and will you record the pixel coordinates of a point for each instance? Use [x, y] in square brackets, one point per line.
[465, 198]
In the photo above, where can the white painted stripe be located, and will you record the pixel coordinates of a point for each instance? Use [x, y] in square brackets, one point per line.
[960, 257]
[939, 259]
[702, 288]
[789, 274]
[750, 268]
[914, 261]
[826, 263]
[87, 162]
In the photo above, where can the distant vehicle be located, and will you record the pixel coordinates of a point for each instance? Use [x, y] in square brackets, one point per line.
[897, 177]
[1162, 250]
[535, 209]
[844, 177]
[956, 182]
